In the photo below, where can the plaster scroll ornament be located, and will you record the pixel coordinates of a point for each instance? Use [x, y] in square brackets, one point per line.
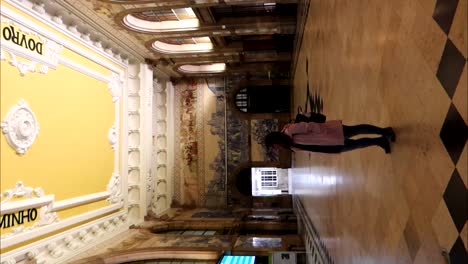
[113, 136]
[20, 191]
[114, 87]
[20, 127]
[114, 189]
[46, 216]
[23, 67]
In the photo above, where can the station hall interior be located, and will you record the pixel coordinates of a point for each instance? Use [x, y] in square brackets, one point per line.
[133, 131]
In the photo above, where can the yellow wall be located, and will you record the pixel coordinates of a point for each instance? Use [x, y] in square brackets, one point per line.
[71, 156]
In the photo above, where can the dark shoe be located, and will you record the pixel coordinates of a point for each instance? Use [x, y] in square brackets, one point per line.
[385, 145]
[390, 134]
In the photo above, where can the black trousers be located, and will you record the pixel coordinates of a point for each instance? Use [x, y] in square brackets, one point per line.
[351, 144]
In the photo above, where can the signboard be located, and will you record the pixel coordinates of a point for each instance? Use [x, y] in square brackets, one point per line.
[18, 218]
[28, 41]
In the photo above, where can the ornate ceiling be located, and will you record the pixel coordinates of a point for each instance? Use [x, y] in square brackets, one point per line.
[194, 37]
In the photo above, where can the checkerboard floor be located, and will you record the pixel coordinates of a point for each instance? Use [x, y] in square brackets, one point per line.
[401, 63]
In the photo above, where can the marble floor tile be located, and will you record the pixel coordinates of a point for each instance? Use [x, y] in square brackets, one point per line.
[382, 62]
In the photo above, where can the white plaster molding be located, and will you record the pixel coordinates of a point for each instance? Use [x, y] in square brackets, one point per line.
[86, 37]
[63, 246]
[114, 188]
[84, 236]
[58, 19]
[46, 217]
[113, 136]
[40, 10]
[115, 87]
[10, 207]
[77, 201]
[23, 67]
[20, 127]
[70, 242]
[33, 257]
[133, 76]
[109, 51]
[74, 29]
[39, 7]
[149, 182]
[27, 234]
[27, 26]
[115, 80]
[49, 58]
[20, 190]
[98, 44]
[8, 261]
[54, 250]
[95, 232]
[85, 70]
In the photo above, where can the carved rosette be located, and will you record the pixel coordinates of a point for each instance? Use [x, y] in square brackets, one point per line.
[113, 136]
[20, 127]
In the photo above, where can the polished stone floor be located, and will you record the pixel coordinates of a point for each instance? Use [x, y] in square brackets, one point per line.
[399, 63]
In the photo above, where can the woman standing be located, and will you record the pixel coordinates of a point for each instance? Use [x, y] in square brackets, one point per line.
[329, 137]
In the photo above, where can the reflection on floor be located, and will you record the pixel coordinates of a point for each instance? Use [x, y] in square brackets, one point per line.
[400, 63]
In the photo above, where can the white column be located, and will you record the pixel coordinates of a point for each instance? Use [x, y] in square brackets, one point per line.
[146, 148]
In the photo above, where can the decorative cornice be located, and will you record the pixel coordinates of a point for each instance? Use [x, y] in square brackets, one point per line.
[20, 127]
[63, 20]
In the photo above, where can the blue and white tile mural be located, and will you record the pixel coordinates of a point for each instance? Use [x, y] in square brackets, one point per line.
[213, 141]
[259, 129]
[217, 127]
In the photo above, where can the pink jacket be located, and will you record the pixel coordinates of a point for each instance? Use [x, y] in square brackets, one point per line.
[329, 133]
